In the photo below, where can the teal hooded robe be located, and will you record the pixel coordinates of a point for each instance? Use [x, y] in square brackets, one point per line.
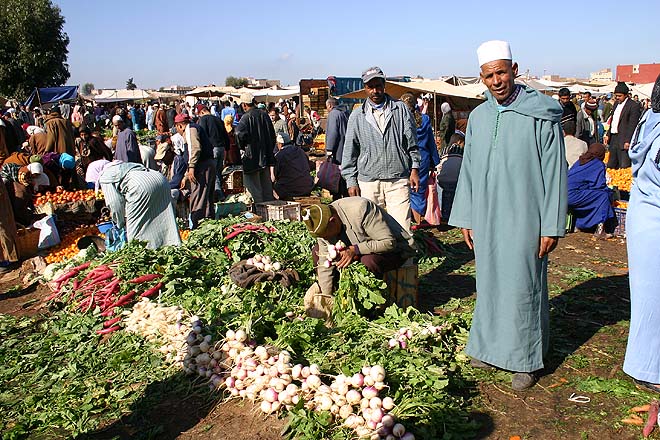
[512, 191]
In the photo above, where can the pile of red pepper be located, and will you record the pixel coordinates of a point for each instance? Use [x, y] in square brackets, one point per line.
[101, 288]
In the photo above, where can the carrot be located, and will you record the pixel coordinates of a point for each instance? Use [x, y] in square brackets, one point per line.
[111, 322]
[108, 330]
[643, 408]
[652, 419]
[149, 292]
[145, 278]
[631, 421]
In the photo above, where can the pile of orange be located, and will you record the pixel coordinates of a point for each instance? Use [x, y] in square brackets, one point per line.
[621, 204]
[184, 234]
[68, 248]
[61, 196]
[621, 178]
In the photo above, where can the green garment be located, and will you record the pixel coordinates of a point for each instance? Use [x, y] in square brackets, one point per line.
[511, 191]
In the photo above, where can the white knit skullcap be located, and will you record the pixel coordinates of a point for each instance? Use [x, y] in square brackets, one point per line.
[493, 50]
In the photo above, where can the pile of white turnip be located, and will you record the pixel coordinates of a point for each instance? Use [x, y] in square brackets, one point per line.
[160, 324]
[267, 377]
[264, 263]
[404, 335]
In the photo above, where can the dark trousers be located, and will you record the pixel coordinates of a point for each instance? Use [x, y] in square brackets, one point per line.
[202, 193]
[219, 156]
[618, 156]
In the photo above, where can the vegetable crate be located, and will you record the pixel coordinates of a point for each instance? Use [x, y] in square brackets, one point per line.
[27, 241]
[229, 208]
[402, 285]
[278, 210]
[620, 230]
[234, 180]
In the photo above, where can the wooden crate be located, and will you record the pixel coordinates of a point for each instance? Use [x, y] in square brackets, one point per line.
[278, 210]
[402, 285]
[620, 230]
[307, 201]
[233, 180]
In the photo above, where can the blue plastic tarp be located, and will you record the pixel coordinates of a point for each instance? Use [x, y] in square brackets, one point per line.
[47, 95]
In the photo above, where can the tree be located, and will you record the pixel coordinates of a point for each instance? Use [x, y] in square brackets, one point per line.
[34, 50]
[130, 85]
[235, 82]
[87, 88]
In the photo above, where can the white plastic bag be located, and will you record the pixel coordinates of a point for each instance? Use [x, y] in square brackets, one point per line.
[48, 236]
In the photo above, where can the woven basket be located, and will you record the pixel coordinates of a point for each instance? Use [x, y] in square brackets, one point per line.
[27, 241]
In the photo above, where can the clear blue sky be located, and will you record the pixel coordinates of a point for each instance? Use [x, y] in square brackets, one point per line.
[198, 42]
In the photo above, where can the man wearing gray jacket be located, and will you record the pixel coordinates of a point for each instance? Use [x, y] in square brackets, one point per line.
[381, 160]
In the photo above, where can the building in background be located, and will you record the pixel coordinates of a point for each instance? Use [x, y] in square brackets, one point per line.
[638, 73]
[603, 75]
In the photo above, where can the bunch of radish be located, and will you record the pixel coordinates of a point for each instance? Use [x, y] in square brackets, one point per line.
[334, 253]
[264, 263]
[160, 324]
[405, 334]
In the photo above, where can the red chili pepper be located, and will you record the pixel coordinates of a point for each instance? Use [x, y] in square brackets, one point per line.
[227, 251]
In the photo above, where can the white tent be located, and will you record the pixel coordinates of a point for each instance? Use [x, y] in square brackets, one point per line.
[643, 90]
[121, 95]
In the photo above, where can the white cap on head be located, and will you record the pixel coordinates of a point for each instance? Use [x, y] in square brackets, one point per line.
[116, 118]
[247, 98]
[493, 50]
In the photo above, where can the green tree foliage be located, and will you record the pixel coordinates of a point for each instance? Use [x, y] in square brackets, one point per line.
[236, 82]
[130, 85]
[33, 51]
[87, 88]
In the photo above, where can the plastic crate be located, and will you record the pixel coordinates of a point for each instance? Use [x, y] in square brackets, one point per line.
[620, 230]
[278, 210]
[229, 208]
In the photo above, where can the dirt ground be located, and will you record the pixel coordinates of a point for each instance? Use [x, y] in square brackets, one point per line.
[589, 303]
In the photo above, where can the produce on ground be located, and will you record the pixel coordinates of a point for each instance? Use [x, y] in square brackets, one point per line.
[621, 178]
[61, 196]
[68, 247]
[423, 378]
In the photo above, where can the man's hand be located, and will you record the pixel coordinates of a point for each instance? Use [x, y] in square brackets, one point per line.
[548, 244]
[626, 145]
[191, 176]
[354, 191]
[345, 257]
[606, 140]
[414, 179]
[468, 237]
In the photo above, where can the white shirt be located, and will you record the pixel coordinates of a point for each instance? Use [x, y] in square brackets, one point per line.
[615, 118]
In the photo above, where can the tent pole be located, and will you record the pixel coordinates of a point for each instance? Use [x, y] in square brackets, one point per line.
[38, 97]
[435, 112]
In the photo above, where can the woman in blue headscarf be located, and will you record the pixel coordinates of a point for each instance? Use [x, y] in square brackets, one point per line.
[429, 158]
[643, 235]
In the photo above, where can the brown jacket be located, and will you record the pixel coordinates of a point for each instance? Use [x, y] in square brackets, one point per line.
[370, 228]
[60, 134]
[161, 121]
[38, 143]
[4, 151]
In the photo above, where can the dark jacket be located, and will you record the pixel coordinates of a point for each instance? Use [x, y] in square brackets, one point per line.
[583, 128]
[215, 130]
[630, 115]
[569, 112]
[335, 133]
[446, 129]
[256, 139]
[292, 177]
[171, 114]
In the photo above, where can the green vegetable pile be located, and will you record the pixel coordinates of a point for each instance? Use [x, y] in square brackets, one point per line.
[61, 379]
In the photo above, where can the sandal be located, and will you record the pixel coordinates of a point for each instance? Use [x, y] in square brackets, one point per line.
[647, 386]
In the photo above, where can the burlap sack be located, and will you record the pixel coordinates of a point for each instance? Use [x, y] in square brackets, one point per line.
[318, 305]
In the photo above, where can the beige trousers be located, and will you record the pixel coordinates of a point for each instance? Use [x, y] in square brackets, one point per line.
[393, 195]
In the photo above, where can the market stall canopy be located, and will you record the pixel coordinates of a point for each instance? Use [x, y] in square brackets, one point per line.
[461, 80]
[458, 97]
[209, 91]
[272, 94]
[121, 95]
[643, 90]
[163, 95]
[49, 95]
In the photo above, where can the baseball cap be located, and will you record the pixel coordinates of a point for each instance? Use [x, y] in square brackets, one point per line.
[371, 73]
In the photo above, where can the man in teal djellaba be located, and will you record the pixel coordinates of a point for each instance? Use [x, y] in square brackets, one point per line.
[511, 206]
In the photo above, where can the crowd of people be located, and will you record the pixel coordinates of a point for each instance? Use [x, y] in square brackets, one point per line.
[508, 178]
